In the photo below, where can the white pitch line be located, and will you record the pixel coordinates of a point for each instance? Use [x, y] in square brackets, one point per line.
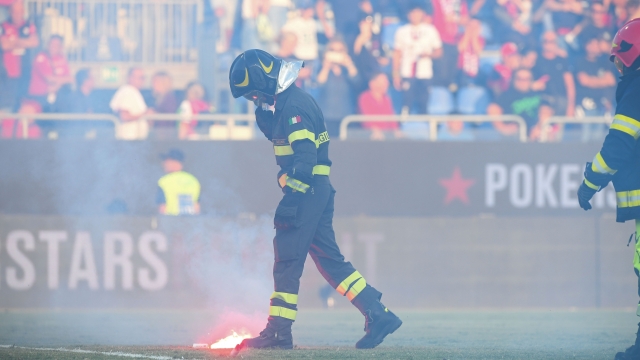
[117, 353]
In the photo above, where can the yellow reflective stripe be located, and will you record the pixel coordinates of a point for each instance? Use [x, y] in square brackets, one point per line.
[591, 185]
[286, 297]
[356, 289]
[283, 150]
[297, 185]
[321, 170]
[627, 125]
[628, 199]
[344, 286]
[282, 312]
[302, 135]
[600, 166]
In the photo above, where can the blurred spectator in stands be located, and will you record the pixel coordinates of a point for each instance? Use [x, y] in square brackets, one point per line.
[566, 14]
[81, 100]
[164, 102]
[500, 78]
[596, 26]
[178, 191]
[194, 103]
[337, 78]
[376, 101]
[286, 50]
[347, 14]
[17, 36]
[470, 47]
[633, 9]
[455, 131]
[415, 45]
[130, 106]
[257, 31]
[224, 11]
[15, 128]
[305, 28]
[368, 52]
[49, 74]
[450, 18]
[596, 81]
[521, 100]
[554, 76]
[277, 13]
[626, 10]
[514, 22]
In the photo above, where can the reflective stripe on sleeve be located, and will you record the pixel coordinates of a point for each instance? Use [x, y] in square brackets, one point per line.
[302, 135]
[356, 289]
[283, 150]
[286, 297]
[321, 170]
[344, 285]
[600, 166]
[282, 312]
[297, 185]
[627, 125]
[591, 185]
[628, 199]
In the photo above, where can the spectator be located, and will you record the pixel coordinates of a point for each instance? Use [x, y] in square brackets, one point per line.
[500, 78]
[566, 14]
[554, 77]
[455, 131]
[521, 100]
[337, 78]
[50, 73]
[416, 44]
[129, 104]
[595, 82]
[597, 26]
[514, 22]
[257, 32]
[347, 14]
[15, 128]
[164, 102]
[81, 100]
[369, 55]
[450, 18]
[305, 28]
[376, 101]
[17, 36]
[178, 191]
[277, 13]
[470, 47]
[193, 104]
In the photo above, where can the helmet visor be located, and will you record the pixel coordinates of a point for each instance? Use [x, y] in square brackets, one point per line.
[619, 65]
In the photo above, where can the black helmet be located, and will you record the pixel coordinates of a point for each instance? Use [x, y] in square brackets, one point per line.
[252, 72]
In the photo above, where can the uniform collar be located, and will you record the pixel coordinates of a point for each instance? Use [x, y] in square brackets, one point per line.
[281, 99]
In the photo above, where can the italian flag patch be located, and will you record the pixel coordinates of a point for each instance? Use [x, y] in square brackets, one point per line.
[294, 120]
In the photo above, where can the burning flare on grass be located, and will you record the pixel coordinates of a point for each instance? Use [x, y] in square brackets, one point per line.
[230, 341]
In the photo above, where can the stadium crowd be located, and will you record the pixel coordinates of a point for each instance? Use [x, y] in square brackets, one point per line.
[532, 58]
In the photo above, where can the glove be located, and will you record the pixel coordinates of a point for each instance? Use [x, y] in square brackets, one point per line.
[287, 210]
[585, 193]
[264, 119]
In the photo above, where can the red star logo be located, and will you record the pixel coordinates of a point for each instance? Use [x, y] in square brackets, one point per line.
[456, 187]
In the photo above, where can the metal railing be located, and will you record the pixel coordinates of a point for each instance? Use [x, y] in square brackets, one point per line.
[433, 121]
[139, 31]
[563, 120]
[224, 126]
[24, 119]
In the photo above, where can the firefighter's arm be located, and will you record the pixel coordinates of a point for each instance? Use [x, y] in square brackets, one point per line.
[301, 135]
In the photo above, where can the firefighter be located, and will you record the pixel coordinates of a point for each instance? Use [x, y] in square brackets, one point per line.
[293, 122]
[619, 159]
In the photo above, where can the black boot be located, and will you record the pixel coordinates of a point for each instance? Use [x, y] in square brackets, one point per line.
[633, 352]
[276, 335]
[378, 323]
